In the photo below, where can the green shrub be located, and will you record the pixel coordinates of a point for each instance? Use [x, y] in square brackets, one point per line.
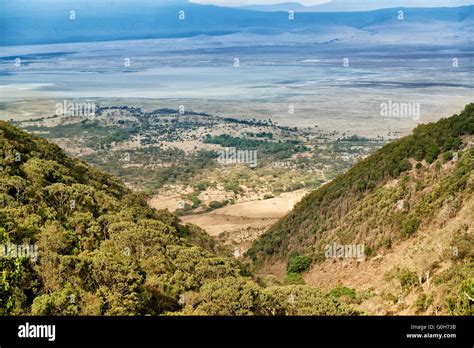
[298, 263]
[431, 153]
[447, 156]
[216, 205]
[195, 199]
[409, 226]
[423, 302]
[462, 245]
[404, 165]
[201, 186]
[343, 291]
[294, 279]
[407, 278]
[233, 186]
[463, 302]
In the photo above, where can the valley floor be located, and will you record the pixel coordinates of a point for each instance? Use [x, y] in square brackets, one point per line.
[239, 224]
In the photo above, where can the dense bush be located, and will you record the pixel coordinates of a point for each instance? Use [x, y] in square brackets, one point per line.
[279, 149]
[294, 279]
[298, 263]
[103, 251]
[234, 296]
[343, 291]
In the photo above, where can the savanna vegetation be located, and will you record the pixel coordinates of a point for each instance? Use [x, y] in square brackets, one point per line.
[157, 151]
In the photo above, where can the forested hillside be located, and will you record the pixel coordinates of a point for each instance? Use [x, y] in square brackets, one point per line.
[418, 186]
[102, 251]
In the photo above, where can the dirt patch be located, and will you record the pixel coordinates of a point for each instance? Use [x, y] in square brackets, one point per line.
[240, 224]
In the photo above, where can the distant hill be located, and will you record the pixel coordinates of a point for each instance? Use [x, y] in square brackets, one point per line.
[411, 204]
[362, 5]
[283, 6]
[370, 5]
[23, 22]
